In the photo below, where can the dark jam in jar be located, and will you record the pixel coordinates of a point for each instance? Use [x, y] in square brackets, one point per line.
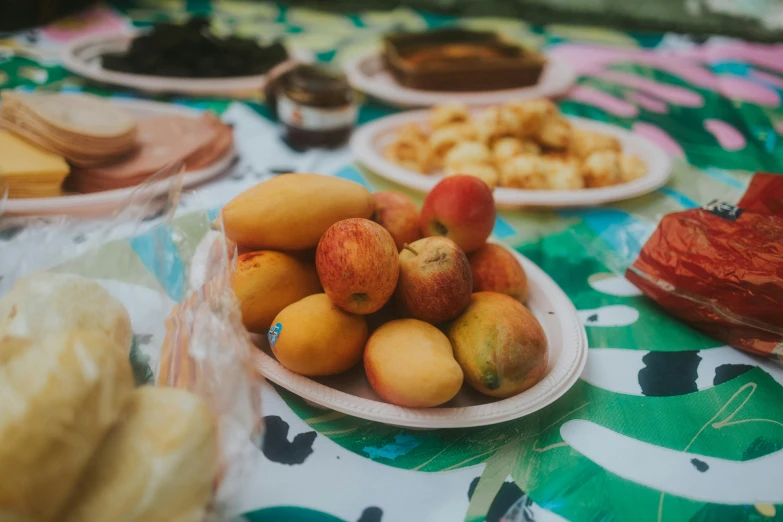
[316, 105]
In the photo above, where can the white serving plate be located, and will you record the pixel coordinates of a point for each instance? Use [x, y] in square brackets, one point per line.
[350, 393]
[82, 57]
[369, 74]
[369, 140]
[110, 200]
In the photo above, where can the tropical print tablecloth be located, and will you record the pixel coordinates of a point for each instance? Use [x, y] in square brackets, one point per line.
[665, 424]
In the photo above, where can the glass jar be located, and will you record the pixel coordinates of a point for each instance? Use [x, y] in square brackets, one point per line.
[316, 105]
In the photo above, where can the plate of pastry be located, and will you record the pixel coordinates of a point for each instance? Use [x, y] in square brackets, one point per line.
[81, 154]
[526, 150]
[162, 60]
[457, 65]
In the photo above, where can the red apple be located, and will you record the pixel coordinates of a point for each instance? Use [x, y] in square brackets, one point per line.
[460, 208]
[358, 265]
[435, 282]
[495, 269]
[398, 214]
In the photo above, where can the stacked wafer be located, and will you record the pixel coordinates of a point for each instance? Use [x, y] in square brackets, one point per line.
[27, 171]
[85, 130]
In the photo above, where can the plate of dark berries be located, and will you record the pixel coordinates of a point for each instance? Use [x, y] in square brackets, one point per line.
[172, 58]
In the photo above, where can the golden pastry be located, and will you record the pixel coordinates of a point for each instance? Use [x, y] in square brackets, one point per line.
[412, 154]
[48, 302]
[632, 167]
[483, 171]
[563, 175]
[444, 138]
[158, 464]
[602, 169]
[584, 142]
[506, 148]
[525, 171]
[495, 122]
[448, 113]
[532, 114]
[555, 133]
[60, 395]
[467, 152]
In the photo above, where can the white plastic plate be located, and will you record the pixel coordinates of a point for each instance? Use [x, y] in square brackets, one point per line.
[369, 140]
[109, 200]
[369, 74]
[82, 57]
[350, 393]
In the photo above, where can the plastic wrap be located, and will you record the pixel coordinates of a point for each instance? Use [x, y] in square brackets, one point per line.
[720, 268]
[208, 352]
[188, 336]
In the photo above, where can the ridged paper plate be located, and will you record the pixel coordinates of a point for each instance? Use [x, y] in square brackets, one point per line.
[350, 393]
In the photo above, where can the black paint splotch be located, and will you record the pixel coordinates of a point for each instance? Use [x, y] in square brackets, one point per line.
[472, 487]
[276, 446]
[371, 514]
[593, 318]
[506, 497]
[700, 465]
[726, 372]
[669, 373]
[762, 446]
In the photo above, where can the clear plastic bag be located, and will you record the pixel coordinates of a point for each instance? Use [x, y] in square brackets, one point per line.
[186, 334]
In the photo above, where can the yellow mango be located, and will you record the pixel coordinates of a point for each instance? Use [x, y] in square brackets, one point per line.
[410, 363]
[499, 344]
[268, 281]
[315, 337]
[292, 211]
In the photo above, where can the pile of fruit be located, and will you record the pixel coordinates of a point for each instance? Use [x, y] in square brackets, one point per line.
[335, 275]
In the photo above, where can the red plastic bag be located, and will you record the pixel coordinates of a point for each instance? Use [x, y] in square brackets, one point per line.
[720, 268]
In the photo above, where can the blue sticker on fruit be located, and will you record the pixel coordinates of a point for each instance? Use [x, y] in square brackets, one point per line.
[273, 334]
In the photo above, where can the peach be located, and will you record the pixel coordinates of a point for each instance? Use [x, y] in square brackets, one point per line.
[460, 208]
[398, 214]
[495, 269]
[410, 363]
[435, 282]
[500, 346]
[358, 266]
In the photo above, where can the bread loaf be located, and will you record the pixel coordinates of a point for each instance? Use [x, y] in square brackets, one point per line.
[59, 395]
[158, 464]
[47, 303]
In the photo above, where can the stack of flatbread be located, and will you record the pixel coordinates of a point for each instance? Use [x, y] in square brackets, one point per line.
[196, 141]
[85, 130]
